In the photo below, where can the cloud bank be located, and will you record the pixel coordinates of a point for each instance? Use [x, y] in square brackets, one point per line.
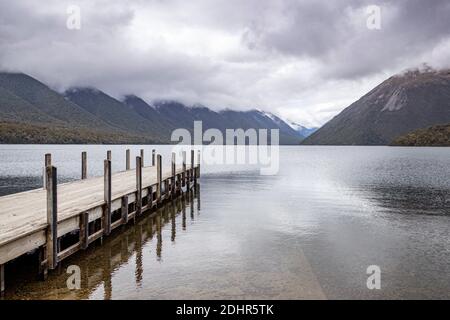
[304, 60]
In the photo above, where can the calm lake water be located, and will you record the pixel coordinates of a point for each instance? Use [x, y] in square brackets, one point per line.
[310, 231]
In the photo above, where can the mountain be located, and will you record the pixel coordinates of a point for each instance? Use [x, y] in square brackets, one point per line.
[262, 120]
[181, 116]
[433, 136]
[14, 108]
[403, 103]
[114, 112]
[303, 131]
[160, 126]
[31, 112]
[162, 117]
[49, 105]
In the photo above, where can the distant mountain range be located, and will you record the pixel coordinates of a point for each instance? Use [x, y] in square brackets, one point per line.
[401, 104]
[303, 131]
[31, 112]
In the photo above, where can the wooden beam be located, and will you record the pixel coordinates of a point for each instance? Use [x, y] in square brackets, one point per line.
[69, 251]
[184, 169]
[107, 196]
[52, 217]
[153, 157]
[198, 164]
[84, 230]
[158, 176]
[2, 279]
[42, 263]
[124, 209]
[47, 162]
[108, 155]
[83, 165]
[48, 159]
[150, 197]
[127, 160]
[178, 182]
[174, 169]
[191, 175]
[197, 190]
[138, 185]
[142, 157]
[95, 236]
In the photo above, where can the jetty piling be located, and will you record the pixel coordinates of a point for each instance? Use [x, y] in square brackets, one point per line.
[47, 162]
[124, 209]
[127, 160]
[84, 230]
[52, 217]
[174, 176]
[158, 177]
[2, 279]
[138, 185]
[83, 165]
[184, 168]
[107, 183]
[191, 170]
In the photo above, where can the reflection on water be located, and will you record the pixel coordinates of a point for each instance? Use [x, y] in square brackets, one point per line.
[309, 231]
[133, 247]
[418, 199]
[14, 184]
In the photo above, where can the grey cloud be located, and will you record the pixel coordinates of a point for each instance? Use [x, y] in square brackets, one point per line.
[324, 30]
[290, 56]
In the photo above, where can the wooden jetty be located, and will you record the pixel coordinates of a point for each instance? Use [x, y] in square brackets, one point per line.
[61, 219]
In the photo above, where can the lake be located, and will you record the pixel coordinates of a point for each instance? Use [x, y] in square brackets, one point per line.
[310, 231]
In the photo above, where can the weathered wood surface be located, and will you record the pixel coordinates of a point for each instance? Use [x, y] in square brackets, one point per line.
[25, 213]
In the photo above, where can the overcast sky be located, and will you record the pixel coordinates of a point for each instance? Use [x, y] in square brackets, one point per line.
[302, 60]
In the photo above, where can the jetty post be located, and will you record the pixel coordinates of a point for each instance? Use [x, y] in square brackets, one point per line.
[183, 178]
[48, 159]
[192, 171]
[107, 196]
[108, 155]
[2, 279]
[84, 230]
[153, 157]
[83, 165]
[47, 162]
[197, 170]
[142, 157]
[138, 185]
[52, 217]
[158, 177]
[174, 170]
[127, 160]
[44, 249]
[124, 209]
